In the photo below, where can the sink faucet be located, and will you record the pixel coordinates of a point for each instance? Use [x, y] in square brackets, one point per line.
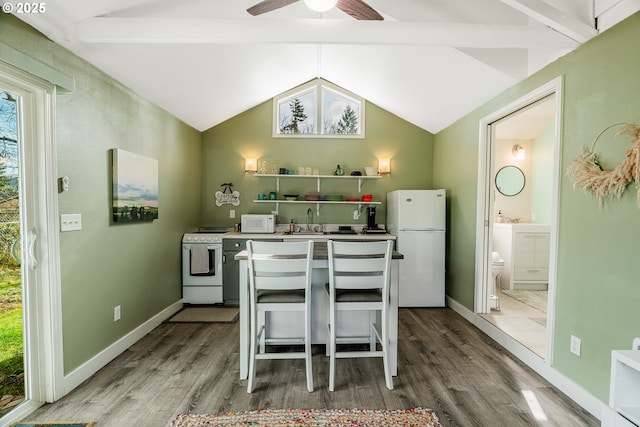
[309, 219]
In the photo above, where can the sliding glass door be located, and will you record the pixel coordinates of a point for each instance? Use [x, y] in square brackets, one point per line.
[31, 367]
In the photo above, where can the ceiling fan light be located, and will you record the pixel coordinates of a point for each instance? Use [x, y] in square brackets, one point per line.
[320, 5]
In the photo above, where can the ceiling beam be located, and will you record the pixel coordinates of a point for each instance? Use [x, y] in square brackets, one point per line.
[311, 31]
[554, 18]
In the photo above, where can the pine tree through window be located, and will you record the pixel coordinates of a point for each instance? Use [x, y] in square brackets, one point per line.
[318, 108]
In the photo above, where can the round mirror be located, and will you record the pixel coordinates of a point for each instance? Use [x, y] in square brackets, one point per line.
[510, 180]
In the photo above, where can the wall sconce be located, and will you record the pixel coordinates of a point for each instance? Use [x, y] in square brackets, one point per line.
[384, 166]
[518, 151]
[250, 165]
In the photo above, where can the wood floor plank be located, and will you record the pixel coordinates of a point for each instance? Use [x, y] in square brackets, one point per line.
[444, 363]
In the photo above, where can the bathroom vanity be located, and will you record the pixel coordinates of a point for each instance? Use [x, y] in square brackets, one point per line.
[525, 250]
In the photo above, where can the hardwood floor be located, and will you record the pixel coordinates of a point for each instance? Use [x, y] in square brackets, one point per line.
[445, 364]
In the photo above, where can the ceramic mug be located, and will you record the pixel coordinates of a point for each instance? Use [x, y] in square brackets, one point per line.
[273, 195]
[262, 197]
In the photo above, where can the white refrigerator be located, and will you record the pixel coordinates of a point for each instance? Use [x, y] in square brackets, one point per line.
[418, 220]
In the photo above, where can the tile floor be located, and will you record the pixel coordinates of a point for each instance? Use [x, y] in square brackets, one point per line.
[522, 322]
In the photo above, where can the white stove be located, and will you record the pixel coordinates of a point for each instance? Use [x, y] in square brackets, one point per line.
[202, 268]
[202, 238]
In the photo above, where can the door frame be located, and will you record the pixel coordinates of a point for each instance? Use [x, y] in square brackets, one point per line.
[43, 358]
[485, 202]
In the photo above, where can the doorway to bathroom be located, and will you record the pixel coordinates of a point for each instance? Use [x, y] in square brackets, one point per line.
[517, 216]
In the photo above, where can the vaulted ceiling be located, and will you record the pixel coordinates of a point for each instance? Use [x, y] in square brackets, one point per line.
[429, 61]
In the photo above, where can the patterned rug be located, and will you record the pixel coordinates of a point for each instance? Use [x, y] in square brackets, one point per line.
[55, 424]
[312, 417]
[535, 299]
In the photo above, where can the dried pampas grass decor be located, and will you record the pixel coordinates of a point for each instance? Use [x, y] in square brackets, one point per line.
[587, 173]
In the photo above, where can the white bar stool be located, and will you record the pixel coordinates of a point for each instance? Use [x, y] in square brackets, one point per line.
[279, 280]
[359, 280]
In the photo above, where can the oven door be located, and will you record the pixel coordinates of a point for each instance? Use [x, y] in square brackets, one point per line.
[193, 274]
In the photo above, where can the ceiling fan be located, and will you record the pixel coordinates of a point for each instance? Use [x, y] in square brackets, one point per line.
[357, 9]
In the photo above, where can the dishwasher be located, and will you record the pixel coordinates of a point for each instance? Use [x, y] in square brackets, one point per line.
[231, 269]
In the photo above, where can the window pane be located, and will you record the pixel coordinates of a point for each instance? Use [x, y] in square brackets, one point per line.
[297, 114]
[318, 108]
[340, 114]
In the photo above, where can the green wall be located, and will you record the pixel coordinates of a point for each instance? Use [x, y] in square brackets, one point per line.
[250, 135]
[105, 265]
[597, 281]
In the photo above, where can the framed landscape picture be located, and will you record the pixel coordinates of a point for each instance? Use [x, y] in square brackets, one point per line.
[135, 187]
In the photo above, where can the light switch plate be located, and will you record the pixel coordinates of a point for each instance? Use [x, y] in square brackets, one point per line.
[70, 222]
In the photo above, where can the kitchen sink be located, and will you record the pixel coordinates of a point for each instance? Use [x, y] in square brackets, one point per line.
[304, 233]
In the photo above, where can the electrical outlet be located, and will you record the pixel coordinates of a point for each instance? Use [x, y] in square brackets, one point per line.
[576, 344]
[232, 213]
[356, 214]
[116, 313]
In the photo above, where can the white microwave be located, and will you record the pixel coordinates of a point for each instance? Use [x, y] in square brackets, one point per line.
[258, 223]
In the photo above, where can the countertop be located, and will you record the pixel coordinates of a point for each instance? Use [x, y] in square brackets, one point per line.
[319, 253]
[530, 227]
[303, 236]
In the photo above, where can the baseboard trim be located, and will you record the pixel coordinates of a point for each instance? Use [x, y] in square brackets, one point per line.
[93, 365]
[575, 392]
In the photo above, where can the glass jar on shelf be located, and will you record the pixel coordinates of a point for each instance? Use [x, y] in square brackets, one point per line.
[263, 167]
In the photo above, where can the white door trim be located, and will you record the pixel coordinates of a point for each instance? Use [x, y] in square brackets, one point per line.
[484, 223]
[41, 263]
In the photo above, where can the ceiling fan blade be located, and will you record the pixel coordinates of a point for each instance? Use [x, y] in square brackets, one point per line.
[268, 5]
[358, 9]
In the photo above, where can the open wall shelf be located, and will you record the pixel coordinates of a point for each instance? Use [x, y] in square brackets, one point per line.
[318, 179]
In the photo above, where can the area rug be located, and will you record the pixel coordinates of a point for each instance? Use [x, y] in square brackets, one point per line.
[55, 424]
[312, 417]
[206, 314]
[535, 299]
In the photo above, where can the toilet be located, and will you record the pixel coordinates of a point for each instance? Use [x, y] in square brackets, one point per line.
[497, 265]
